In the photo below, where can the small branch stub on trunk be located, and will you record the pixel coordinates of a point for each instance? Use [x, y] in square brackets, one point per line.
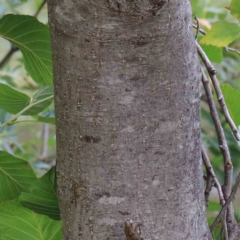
[131, 232]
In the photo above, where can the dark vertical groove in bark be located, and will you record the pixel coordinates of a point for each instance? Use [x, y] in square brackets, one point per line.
[127, 91]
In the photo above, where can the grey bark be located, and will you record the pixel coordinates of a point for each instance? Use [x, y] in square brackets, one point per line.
[127, 94]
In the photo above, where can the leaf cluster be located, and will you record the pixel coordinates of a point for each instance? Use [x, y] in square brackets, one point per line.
[29, 205]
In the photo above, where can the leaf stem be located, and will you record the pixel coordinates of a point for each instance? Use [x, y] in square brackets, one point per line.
[13, 119]
[26, 120]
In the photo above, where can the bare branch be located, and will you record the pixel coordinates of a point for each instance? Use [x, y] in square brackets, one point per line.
[200, 30]
[222, 145]
[209, 169]
[228, 202]
[232, 50]
[221, 100]
[197, 27]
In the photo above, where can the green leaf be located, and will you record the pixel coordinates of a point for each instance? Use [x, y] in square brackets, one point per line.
[11, 100]
[42, 197]
[235, 8]
[214, 53]
[17, 222]
[43, 93]
[16, 175]
[221, 34]
[14, 102]
[232, 98]
[33, 39]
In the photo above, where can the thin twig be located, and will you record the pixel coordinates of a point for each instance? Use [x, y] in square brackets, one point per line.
[229, 200]
[209, 169]
[198, 27]
[14, 48]
[40, 8]
[229, 216]
[200, 30]
[15, 117]
[221, 100]
[232, 50]
[222, 145]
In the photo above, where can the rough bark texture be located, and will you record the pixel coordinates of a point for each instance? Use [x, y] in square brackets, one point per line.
[127, 92]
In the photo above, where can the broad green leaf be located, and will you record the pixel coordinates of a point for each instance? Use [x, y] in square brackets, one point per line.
[11, 100]
[16, 175]
[45, 92]
[232, 98]
[214, 53]
[235, 8]
[221, 34]
[18, 222]
[42, 197]
[33, 39]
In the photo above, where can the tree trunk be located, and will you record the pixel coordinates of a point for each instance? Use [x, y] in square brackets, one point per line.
[127, 95]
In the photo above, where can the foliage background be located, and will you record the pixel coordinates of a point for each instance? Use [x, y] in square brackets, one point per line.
[228, 71]
[25, 140]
